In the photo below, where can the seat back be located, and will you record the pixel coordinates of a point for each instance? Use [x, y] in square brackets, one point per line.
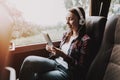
[95, 29]
[106, 65]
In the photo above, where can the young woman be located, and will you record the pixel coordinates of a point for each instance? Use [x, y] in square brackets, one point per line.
[70, 59]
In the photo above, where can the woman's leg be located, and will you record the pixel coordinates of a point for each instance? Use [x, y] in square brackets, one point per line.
[60, 73]
[54, 75]
[35, 64]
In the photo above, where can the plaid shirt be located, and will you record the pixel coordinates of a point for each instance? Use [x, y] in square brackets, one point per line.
[78, 50]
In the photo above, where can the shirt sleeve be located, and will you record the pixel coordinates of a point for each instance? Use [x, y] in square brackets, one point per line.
[84, 50]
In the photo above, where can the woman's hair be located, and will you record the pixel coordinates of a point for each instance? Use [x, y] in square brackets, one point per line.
[82, 28]
[74, 11]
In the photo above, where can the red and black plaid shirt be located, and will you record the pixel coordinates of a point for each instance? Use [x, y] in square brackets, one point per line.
[78, 50]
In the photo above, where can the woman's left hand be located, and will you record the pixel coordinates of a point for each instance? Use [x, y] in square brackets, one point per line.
[55, 50]
[50, 49]
[58, 51]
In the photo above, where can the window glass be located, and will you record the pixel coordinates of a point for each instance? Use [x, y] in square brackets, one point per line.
[114, 7]
[31, 17]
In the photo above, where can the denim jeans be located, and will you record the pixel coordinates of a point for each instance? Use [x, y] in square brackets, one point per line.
[45, 68]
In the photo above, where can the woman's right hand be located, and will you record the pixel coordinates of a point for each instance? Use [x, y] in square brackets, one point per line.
[54, 50]
[50, 49]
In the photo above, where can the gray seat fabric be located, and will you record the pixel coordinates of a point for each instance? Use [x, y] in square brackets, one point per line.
[95, 29]
[106, 65]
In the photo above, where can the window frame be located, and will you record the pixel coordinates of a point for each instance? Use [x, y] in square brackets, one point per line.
[32, 47]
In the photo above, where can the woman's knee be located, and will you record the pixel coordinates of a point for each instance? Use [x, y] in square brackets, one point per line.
[37, 60]
[29, 61]
[55, 75]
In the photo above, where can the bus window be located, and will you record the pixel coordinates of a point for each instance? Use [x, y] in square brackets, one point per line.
[114, 7]
[34, 16]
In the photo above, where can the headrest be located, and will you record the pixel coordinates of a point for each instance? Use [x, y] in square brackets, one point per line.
[112, 29]
[95, 26]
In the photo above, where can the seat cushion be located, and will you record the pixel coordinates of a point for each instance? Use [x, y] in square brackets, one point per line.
[105, 63]
[113, 68]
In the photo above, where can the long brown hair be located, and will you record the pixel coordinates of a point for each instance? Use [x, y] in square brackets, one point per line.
[82, 28]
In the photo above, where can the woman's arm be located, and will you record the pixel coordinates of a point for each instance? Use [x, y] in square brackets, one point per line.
[58, 52]
[66, 57]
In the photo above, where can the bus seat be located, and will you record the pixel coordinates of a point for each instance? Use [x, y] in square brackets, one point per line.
[95, 29]
[106, 65]
[12, 73]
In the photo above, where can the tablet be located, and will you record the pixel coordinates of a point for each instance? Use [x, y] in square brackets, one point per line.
[47, 38]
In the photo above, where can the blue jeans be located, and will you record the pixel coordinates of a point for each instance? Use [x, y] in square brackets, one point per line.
[45, 68]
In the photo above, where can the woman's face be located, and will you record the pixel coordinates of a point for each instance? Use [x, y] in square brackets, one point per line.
[72, 20]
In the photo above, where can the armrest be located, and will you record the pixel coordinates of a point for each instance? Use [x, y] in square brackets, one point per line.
[12, 73]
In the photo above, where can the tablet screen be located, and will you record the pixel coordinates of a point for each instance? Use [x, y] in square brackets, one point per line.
[47, 38]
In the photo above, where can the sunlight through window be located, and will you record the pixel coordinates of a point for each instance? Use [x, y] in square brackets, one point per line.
[43, 12]
[34, 16]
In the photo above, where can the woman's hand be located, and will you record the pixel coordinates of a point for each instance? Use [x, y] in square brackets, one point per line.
[50, 49]
[54, 50]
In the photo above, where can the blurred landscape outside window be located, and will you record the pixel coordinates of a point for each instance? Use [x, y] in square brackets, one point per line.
[114, 8]
[31, 17]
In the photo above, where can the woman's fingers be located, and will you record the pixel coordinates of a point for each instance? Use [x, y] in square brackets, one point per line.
[48, 48]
